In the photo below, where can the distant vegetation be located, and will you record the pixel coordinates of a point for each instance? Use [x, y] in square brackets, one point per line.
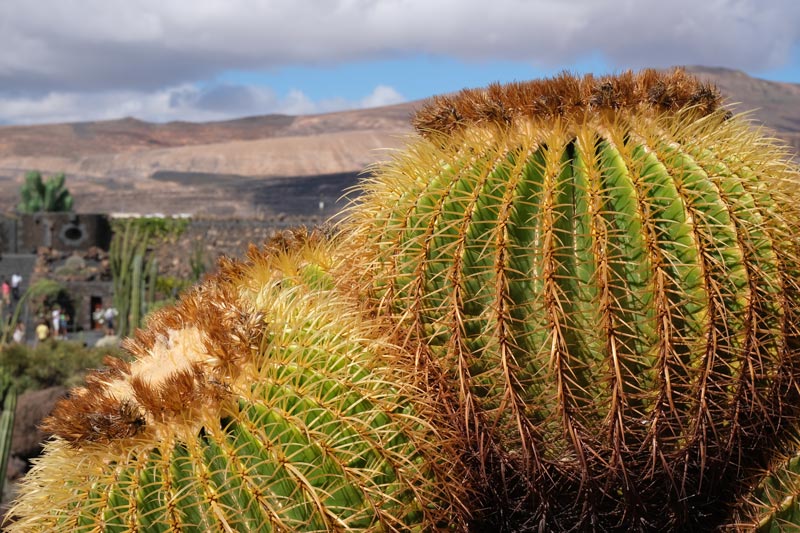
[39, 195]
[52, 363]
[135, 271]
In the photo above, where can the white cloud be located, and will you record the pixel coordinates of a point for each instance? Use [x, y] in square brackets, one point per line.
[104, 44]
[182, 102]
[82, 59]
[382, 95]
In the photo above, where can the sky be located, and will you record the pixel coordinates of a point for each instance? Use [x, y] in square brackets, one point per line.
[199, 60]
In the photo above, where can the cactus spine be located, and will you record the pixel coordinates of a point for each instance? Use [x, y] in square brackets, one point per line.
[774, 505]
[603, 272]
[251, 406]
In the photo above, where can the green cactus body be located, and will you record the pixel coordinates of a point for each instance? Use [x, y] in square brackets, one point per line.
[8, 398]
[608, 291]
[152, 282]
[137, 291]
[252, 406]
[774, 506]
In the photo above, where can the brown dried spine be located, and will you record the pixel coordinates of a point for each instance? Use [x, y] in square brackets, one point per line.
[566, 96]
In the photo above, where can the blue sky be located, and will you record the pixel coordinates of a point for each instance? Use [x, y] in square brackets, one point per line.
[161, 60]
[415, 76]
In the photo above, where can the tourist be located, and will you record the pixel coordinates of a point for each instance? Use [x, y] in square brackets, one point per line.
[19, 333]
[5, 302]
[42, 331]
[97, 316]
[16, 283]
[109, 315]
[55, 316]
[64, 318]
[6, 293]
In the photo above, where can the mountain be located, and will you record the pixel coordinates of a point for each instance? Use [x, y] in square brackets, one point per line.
[272, 166]
[773, 104]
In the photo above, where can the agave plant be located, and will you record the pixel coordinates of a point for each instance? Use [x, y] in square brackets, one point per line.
[38, 195]
[600, 276]
[258, 403]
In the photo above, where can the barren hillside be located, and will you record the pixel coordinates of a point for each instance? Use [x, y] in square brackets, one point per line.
[267, 165]
[775, 104]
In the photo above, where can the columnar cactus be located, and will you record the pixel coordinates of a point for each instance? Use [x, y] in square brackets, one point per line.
[601, 276]
[258, 404]
[8, 406]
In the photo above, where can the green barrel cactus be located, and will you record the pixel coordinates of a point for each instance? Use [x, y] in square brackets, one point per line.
[600, 276]
[259, 403]
[774, 505]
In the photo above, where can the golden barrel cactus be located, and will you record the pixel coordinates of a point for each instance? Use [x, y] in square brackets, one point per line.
[599, 276]
[261, 402]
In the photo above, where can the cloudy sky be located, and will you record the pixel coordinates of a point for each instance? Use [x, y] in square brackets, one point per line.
[162, 60]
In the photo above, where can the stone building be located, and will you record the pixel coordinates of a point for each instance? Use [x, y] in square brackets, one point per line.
[70, 248]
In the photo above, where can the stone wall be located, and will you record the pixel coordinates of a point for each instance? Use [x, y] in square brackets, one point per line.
[8, 235]
[86, 275]
[62, 231]
[206, 240]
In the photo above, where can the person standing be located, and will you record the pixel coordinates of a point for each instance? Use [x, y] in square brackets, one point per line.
[19, 333]
[109, 315]
[16, 283]
[42, 331]
[5, 302]
[6, 290]
[97, 316]
[55, 316]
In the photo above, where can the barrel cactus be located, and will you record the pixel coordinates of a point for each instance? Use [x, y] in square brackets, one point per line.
[600, 276]
[259, 403]
[774, 504]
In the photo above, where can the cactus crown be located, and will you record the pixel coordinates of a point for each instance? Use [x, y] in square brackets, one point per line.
[567, 97]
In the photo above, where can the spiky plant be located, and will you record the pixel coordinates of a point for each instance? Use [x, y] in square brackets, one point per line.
[600, 277]
[774, 504]
[38, 195]
[8, 406]
[258, 403]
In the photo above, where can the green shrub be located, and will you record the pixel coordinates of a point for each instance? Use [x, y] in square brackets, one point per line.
[51, 363]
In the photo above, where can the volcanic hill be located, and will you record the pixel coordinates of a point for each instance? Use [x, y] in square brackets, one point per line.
[270, 166]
